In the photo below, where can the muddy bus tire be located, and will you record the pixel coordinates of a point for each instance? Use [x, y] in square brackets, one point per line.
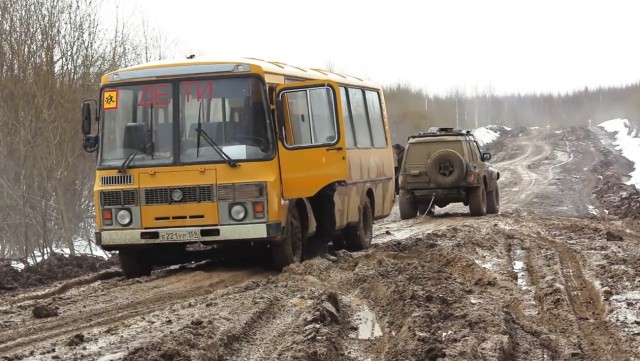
[359, 236]
[135, 263]
[289, 249]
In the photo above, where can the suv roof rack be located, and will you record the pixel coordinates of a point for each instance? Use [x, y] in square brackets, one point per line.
[441, 132]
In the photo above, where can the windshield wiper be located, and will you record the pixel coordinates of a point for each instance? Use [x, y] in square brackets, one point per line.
[127, 161]
[215, 147]
[212, 143]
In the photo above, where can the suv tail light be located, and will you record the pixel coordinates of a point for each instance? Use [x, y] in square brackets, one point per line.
[471, 177]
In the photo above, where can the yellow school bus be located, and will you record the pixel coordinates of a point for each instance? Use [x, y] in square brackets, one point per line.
[228, 151]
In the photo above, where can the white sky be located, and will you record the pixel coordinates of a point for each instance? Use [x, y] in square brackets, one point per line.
[502, 46]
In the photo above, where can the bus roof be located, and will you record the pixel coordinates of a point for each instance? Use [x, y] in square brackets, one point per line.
[172, 68]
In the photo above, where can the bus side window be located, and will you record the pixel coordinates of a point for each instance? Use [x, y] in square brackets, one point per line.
[360, 119]
[301, 131]
[323, 117]
[305, 128]
[297, 128]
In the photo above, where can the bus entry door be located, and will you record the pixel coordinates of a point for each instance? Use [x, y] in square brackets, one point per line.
[311, 147]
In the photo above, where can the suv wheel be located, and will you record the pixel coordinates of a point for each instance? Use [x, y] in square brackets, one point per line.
[407, 208]
[493, 201]
[478, 201]
[446, 168]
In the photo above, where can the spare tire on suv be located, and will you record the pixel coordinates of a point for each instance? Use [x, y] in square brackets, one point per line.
[446, 168]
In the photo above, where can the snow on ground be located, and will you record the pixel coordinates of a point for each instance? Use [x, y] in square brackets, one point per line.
[627, 144]
[488, 134]
[81, 247]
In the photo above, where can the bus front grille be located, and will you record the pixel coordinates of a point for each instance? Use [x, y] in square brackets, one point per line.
[187, 194]
[116, 179]
[125, 197]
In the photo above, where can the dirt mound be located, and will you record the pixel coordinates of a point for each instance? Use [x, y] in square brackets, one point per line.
[56, 267]
[10, 277]
[620, 199]
[500, 144]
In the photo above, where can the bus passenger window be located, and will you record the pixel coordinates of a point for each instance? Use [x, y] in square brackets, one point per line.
[323, 118]
[298, 111]
[360, 120]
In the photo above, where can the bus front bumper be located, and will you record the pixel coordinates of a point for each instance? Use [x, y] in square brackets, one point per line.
[259, 231]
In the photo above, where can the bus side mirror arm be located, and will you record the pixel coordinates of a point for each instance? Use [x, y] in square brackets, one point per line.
[90, 143]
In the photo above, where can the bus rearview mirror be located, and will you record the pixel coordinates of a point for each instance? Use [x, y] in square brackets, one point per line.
[86, 118]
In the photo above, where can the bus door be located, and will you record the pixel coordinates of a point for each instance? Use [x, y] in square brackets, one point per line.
[311, 146]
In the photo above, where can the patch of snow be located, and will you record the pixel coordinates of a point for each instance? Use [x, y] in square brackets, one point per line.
[627, 144]
[80, 246]
[624, 312]
[486, 135]
[488, 265]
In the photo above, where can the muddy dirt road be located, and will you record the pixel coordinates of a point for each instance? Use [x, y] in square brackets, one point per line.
[554, 276]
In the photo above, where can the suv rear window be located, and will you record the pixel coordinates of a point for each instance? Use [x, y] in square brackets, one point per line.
[418, 153]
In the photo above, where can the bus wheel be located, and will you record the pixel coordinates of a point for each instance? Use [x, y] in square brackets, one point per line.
[134, 262]
[289, 249]
[359, 236]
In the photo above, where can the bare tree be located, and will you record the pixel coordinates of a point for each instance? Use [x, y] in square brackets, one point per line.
[52, 54]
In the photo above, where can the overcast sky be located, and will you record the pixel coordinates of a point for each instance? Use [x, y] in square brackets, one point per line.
[502, 46]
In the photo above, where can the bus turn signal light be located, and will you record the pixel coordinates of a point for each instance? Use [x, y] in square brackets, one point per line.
[107, 217]
[258, 209]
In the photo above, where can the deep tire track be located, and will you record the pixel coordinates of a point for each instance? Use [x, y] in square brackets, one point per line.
[174, 291]
[601, 338]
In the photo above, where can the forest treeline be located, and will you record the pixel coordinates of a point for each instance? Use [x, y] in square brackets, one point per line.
[52, 54]
[411, 111]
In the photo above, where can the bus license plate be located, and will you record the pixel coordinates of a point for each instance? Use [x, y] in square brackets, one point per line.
[179, 235]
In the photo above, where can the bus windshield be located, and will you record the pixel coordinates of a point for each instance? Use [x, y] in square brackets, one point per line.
[229, 114]
[137, 123]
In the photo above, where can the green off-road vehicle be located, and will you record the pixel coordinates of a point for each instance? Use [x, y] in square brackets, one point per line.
[443, 166]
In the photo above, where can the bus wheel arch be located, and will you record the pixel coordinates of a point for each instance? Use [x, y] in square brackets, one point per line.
[372, 201]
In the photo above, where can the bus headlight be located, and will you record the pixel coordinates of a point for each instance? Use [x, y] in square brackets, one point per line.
[238, 212]
[124, 217]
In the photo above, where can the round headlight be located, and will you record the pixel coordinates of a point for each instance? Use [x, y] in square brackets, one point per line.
[123, 217]
[238, 212]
